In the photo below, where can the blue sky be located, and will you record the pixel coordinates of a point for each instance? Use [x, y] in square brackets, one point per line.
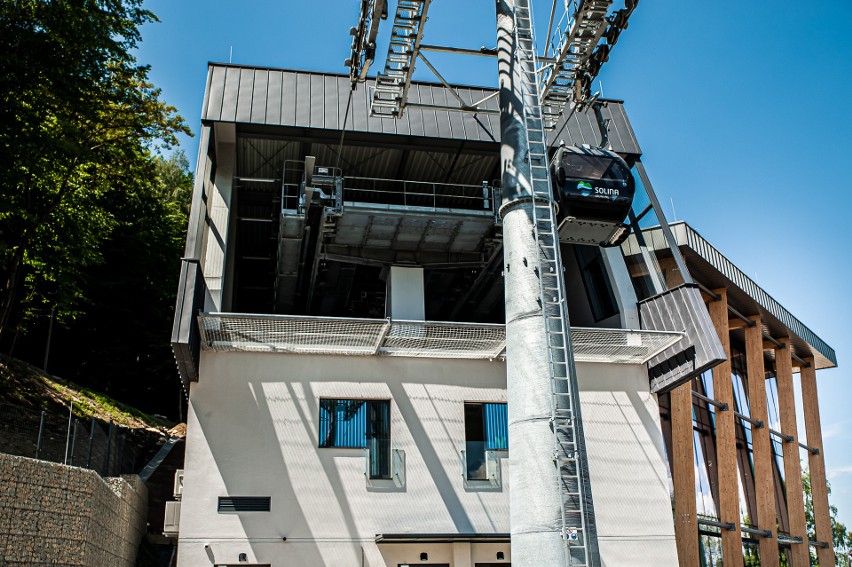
[739, 110]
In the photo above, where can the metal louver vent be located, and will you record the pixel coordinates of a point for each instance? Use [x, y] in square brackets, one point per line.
[244, 504]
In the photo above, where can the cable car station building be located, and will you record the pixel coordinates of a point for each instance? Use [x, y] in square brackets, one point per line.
[340, 332]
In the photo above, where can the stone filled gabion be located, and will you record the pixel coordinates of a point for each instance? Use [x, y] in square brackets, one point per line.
[55, 514]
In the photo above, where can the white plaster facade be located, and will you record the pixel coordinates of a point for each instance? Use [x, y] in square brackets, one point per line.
[253, 431]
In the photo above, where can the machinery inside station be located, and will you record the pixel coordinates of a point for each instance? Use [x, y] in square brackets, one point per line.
[316, 234]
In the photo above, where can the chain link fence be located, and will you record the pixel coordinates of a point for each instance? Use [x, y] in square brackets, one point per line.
[106, 448]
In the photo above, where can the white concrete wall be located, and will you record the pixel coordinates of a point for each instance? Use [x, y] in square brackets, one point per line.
[219, 218]
[627, 465]
[253, 431]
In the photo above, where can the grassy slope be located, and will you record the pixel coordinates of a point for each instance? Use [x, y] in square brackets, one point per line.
[22, 384]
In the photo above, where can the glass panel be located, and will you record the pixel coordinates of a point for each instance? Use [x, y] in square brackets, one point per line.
[583, 166]
[647, 252]
[704, 503]
[751, 554]
[474, 437]
[378, 438]
[342, 423]
[596, 281]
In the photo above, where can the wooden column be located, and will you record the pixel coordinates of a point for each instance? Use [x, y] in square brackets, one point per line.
[764, 478]
[726, 439]
[816, 464]
[792, 466]
[683, 476]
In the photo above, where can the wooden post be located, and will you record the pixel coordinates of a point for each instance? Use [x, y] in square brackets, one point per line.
[764, 478]
[726, 439]
[792, 466]
[683, 476]
[816, 463]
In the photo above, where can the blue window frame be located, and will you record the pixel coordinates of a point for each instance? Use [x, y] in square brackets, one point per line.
[361, 424]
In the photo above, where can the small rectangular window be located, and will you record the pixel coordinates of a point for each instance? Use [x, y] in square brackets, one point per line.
[358, 424]
[486, 428]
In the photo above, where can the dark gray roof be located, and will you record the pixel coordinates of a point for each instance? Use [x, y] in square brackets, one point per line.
[280, 97]
[694, 245]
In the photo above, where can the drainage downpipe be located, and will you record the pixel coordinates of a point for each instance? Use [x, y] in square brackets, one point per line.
[534, 499]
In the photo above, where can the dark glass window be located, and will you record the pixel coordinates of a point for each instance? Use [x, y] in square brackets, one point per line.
[596, 282]
[358, 424]
[486, 428]
[594, 167]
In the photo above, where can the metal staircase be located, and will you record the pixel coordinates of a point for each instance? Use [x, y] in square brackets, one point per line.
[568, 448]
[576, 38]
[391, 89]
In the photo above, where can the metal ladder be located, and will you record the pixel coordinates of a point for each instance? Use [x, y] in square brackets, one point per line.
[391, 88]
[577, 41]
[568, 454]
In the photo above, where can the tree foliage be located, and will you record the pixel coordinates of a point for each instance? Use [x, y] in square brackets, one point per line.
[841, 536]
[119, 342]
[80, 120]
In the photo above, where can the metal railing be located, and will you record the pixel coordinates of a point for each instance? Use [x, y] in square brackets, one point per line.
[105, 448]
[419, 193]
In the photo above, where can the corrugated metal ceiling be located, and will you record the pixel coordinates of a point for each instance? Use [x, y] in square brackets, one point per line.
[264, 158]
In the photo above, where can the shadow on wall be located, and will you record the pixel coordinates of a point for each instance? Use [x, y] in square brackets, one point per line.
[259, 416]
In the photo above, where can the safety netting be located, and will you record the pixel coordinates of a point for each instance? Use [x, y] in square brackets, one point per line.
[224, 332]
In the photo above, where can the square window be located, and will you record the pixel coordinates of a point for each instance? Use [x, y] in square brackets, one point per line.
[358, 424]
[486, 427]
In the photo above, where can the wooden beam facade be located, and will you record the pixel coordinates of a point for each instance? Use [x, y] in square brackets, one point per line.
[726, 439]
[816, 464]
[683, 476]
[792, 467]
[764, 478]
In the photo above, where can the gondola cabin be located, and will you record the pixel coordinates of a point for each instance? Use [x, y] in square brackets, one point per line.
[594, 189]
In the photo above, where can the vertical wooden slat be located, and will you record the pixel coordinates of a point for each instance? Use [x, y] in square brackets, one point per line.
[792, 466]
[764, 481]
[726, 439]
[683, 476]
[816, 463]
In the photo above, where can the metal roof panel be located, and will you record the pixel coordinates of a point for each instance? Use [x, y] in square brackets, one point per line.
[273, 98]
[687, 237]
[244, 95]
[259, 96]
[230, 89]
[318, 100]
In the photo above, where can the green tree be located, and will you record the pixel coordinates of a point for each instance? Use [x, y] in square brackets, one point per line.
[119, 342]
[79, 121]
[842, 538]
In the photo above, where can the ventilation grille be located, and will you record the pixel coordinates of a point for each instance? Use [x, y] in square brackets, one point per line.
[244, 504]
